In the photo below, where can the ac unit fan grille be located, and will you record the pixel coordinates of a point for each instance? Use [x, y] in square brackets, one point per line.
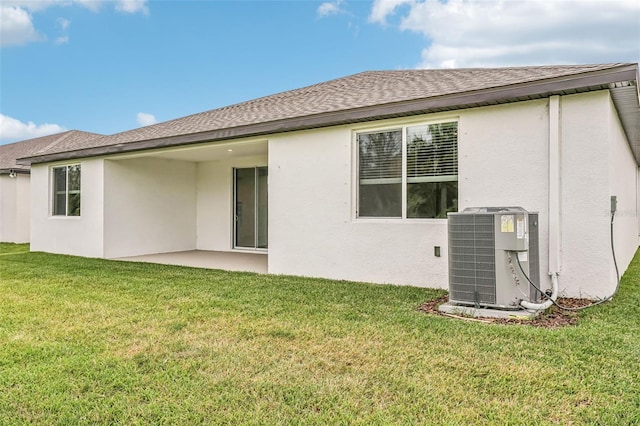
[472, 276]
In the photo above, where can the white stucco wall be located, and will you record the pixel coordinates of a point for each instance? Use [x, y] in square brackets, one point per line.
[23, 207]
[504, 165]
[150, 206]
[586, 140]
[7, 195]
[154, 205]
[623, 173]
[82, 235]
[15, 204]
[215, 200]
[503, 154]
[503, 161]
[312, 230]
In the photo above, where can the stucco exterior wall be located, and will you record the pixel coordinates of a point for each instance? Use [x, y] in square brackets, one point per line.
[585, 191]
[503, 161]
[7, 195]
[509, 165]
[312, 228]
[15, 204]
[503, 155]
[82, 235]
[215, 201]
[623, 173]
[23, 208]
[150, 206]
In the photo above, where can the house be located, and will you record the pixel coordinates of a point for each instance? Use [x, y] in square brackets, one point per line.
[353, 178]
[15, 200]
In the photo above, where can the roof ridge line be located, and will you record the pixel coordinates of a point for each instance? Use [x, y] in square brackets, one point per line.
[63, 136]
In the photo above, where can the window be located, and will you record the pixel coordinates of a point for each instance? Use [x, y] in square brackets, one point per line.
[66, 190]
[410, 172]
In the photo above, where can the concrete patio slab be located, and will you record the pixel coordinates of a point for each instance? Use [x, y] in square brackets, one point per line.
[227, 261]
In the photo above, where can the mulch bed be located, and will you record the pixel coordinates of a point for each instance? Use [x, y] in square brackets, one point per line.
[553, 317]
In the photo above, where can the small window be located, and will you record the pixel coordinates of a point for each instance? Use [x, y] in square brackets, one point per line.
[66, 190]
[411, 172]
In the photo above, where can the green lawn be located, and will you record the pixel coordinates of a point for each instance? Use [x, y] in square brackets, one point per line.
[9, 248]
[88, 341]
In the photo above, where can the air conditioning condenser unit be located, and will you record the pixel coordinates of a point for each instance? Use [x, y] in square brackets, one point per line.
[485, 246]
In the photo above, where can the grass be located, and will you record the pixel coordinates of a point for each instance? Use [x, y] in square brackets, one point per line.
[10, 248]
[90, 341]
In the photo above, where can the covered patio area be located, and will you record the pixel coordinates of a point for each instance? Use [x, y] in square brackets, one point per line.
[227, 261]
[203, 206]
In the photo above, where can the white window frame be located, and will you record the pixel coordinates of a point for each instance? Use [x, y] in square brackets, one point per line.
[53, 193]
[404, 179]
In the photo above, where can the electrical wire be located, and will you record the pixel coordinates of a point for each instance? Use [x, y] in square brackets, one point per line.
[514, 275]
[567, 308]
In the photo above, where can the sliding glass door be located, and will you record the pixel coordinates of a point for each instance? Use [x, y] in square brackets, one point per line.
[250, 205]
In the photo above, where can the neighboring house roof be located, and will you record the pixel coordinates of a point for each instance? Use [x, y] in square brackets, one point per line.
[374, 95]
[33, 147]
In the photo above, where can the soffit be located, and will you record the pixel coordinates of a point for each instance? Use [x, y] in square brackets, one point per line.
[627, 102]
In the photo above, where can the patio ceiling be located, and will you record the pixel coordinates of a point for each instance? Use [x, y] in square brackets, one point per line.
[208, 152]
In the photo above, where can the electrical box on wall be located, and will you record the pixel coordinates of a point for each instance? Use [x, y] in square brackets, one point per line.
[614, 204]
[483, 245]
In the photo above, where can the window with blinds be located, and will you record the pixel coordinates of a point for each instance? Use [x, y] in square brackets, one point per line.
[380, 168]
[432, 170]
[66, 190]
[427, 153]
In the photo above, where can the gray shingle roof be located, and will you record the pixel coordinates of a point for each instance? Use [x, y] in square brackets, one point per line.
[32, 147]
[359, 97]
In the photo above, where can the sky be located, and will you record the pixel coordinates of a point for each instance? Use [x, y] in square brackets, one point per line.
[107, 66]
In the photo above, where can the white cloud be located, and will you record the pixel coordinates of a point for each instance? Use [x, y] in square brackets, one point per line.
[92, 5]
[468, 33]
[132, 6]
[329, 8]
[337, 7]
[12, 129]
[64, 23]
[145, 119]
[16, 22]
[33, 5]
[64, 26]
[383, 8]
[16, 27]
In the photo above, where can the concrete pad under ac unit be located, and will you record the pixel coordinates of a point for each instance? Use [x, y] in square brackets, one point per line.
[469, 311]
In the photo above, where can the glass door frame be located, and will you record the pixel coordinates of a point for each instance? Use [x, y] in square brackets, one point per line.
[234, 218]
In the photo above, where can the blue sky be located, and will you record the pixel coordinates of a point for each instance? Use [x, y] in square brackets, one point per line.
[109, 66]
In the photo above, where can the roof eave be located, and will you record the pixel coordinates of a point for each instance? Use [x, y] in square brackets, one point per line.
[597, 80]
